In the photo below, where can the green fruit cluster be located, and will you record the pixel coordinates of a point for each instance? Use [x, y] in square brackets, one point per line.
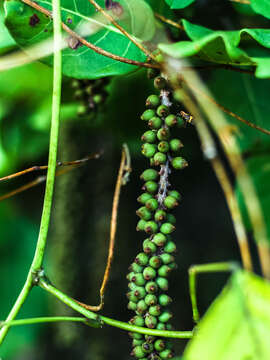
[90, 93]
[149, 272]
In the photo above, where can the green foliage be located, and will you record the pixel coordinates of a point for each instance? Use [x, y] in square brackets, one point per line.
[81, 62]
[261, 7]
[224, 47]
[6, 41]
[179, 4]
[237, 324]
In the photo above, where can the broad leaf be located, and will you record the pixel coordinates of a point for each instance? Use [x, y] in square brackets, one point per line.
[28, 27]
[261, 7]
[237, 324]
[179, 4]
[259, 169]
[224, 47]
[6, 41]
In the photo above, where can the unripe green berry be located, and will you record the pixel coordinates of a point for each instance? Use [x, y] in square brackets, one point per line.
[179, 163]
[141, 307]
[149, 273]
[170, 202]
[166, 354]
[144, 213]
[159, 159]
[136, 342]
[132, 306]
[152, 73]
[150, 339]
[149, 247]
[160, 215]
[159, 239]
[173, 265]
[176, 145]
[151, 227]
[150, 321]
[161, 326]
[149, 174]
[155, 262]
[149, 136]
[170, 247]
[147, 347]
[98, 99]
[82, 110]
[135, 335]
[170, 328]
[150, 299]
[160, 83]
[162, 110]
[141, 259]
[162, 283]
[150, 186]
[165, 316]
[148, 150]
[138, 279]
[164, 270]
[159, 344]
[166, 258]
[132, 297]
[136, 268]
[139, 292]
[148, 114]
[152, 204]
[137, 321]
[164, 300]
[175, 194]
[152, 101]
[151, 287]
[144, 197]
[141, 225]
[155, 310]
[163, 146]
[167, 228]
[131, 285]
[171, 120]
[130, 275]
[163, 134]
[171, 219]
[138, 352]
[155, 123]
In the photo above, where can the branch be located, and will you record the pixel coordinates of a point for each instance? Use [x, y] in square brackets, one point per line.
[105, 320]
[87, 43]
[124, 170]
[168, 21]
[45, 219]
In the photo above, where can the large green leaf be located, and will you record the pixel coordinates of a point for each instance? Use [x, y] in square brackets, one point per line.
[237, 325]
[259, 169]
[29, 27]
[6, 41]
[224, 47]
[179, 4]
[248, 98]
[261, 7]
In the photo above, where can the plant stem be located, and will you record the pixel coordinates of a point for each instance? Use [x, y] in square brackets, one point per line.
[115, 323]
[45, 218]
[39, 320]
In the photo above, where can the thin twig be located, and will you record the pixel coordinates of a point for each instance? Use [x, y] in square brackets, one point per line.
[247, 2]
[123, 170]
[123, 31]
[87, 43]
[168, 21]
[211, 154]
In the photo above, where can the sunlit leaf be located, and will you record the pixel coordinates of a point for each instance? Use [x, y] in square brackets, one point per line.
[179, 4]
[261, 7]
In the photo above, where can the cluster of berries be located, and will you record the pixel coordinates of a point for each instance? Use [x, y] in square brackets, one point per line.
[148, 276]
[90, 93]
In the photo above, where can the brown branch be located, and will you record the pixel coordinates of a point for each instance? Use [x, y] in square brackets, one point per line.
[168, 21]
[87, 43]
[123, 31]
[124, 170]
[247, 2]
[45, 167]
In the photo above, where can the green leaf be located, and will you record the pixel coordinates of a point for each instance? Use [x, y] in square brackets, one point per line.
[28, 27]
[247, 97]
[261, 7]
[237, 324]
[6, 41]
[224, 47]
[179, 4]
[259, 170]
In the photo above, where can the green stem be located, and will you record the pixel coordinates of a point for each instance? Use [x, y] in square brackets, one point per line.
[205, 268]
[115, 323]
[39, 320]
[45, 219]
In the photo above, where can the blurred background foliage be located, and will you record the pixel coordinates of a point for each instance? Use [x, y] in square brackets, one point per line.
[79, 232]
